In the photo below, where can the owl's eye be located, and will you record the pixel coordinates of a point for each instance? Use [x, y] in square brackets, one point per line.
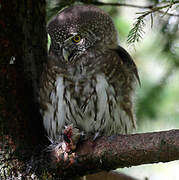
[76, 39]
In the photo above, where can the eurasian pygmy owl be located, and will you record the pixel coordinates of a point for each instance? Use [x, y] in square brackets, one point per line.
[88, 83]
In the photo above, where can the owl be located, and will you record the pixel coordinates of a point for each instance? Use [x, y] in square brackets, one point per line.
[87, 85]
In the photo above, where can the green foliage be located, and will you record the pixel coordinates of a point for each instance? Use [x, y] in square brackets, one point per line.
[53, 7]
[122, 26]
[49, 42]
[136, 33]
[158, 102]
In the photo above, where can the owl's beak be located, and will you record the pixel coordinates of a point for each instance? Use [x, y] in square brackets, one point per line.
[65, 54]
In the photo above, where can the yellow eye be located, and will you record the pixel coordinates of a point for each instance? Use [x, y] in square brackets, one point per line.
[76, 39]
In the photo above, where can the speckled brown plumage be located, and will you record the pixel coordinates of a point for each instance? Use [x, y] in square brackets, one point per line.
[89, 80]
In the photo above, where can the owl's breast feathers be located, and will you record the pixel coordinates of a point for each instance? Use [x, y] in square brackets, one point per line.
[95, 94]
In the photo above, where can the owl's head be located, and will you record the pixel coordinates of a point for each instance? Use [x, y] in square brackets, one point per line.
[77, 28]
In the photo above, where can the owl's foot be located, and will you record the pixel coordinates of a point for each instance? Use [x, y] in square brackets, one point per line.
[97, 134]
[71, 137]
[61, 152]
[64, 150]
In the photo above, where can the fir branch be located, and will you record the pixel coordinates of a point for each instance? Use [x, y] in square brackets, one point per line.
[136, 33]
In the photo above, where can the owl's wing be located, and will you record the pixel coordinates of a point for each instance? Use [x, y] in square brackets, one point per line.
[122, 74]
[50, 97]
[128, 61]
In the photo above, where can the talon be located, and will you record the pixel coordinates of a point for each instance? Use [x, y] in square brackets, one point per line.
[96, 135]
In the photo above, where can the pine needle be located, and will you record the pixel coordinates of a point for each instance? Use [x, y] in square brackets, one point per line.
[137, 32]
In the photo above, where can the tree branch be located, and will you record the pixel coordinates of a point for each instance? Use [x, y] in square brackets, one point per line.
[120, 151]
[136, 33]
[152, 8]
[122, 4]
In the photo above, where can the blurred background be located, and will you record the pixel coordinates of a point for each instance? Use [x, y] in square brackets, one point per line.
[157, 57]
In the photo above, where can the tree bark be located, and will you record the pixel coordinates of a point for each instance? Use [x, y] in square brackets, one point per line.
[22, 53]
